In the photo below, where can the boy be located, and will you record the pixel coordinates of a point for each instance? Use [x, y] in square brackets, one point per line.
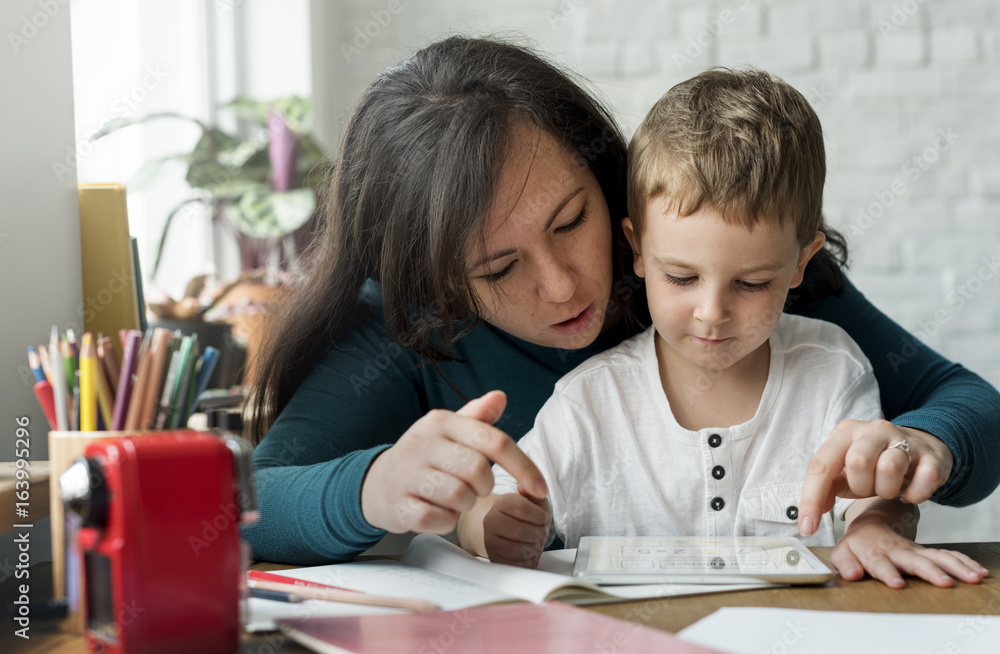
[704, 424]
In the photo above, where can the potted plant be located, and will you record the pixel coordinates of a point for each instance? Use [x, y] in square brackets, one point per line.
[261, 188]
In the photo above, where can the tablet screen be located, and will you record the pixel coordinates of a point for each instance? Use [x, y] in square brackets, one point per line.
[697, 560]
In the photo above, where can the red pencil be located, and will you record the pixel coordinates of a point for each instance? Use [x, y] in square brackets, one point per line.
[257, 575]
[43, 391]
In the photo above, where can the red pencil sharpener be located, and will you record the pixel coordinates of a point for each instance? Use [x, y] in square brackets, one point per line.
[160, 549]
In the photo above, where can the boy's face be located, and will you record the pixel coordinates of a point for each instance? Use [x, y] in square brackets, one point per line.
[715, 290]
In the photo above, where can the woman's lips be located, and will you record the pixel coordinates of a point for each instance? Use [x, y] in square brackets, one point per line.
[577, 324]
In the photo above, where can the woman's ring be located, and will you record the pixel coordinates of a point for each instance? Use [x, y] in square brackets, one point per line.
[904, 447]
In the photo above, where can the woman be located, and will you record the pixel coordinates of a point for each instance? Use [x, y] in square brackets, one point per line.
[450, 265]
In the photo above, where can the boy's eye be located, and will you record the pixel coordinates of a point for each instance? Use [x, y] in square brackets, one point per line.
[753, 288]
[679, 281]
[493, 278]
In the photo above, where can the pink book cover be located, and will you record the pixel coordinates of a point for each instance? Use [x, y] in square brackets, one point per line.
[552, 627]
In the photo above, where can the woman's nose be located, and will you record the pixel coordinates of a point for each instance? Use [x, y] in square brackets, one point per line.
[557, 282]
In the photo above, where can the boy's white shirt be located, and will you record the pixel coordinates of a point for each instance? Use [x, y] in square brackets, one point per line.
[618, 464]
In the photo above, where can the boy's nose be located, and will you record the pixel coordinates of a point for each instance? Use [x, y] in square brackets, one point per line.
[711, 308]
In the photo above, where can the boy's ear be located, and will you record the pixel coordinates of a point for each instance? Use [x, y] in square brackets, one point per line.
[805, 254]
[634, 242]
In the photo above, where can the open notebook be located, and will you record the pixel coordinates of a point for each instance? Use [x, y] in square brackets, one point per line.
[436, 570]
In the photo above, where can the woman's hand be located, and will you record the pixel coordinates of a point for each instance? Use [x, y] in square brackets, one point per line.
[861, 459]
[878, 540]
[441, 465]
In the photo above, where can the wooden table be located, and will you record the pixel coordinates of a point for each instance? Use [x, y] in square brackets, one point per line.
[673, 614]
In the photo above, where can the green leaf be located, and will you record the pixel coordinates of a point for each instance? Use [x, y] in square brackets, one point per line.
[293, 208]
[116, 124]
[296, 110]
[264, 214]
[241, 153]
[308, 160]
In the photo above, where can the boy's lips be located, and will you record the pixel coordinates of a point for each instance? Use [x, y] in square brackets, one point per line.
[577, 323]
[711, 341]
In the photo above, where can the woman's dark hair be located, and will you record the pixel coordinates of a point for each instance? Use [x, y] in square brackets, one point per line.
[824, 274]
[411, 186]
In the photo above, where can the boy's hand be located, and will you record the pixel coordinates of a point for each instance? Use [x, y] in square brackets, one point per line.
[515, 529]
[871, 544]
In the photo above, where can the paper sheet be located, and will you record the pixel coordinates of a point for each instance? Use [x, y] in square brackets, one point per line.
[790, 631]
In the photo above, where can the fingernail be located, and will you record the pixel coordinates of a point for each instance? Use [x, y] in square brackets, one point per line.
[541, 490]
[983, 570]
[807, 526]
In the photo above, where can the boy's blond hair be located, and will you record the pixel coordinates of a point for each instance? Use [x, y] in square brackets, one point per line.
[743, 142]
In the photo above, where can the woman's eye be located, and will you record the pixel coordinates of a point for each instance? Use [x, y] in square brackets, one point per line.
[569, 227]
[679, 281]
[753, 288]
[493, 278]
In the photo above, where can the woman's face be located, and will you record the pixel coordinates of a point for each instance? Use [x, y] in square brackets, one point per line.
[544, 274]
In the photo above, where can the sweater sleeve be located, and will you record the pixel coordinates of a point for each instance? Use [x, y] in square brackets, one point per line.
[921, 389]
[358, 399]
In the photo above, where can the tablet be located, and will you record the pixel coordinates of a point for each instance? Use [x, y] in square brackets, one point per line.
[614, 560]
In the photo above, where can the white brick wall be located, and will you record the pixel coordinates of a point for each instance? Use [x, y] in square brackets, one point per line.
[884, 78]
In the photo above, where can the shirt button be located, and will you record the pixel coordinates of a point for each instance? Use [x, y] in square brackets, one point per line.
[718, 503]
[715, 440]
[718, 472]
[792, 512]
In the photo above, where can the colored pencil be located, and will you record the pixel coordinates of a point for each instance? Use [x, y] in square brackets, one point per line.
[58, 380]
[189, 354]
[71, 339]
[161, 346]
[260, 575]
[88, 385]
[105, 397]
[43, 391]
[206, 366]
[188, 395]
[75, 422]
[35, 364]
[133, 341]
[346, 596]
[70, 362]
[168, 386]
[141, 381]
[274, 595]
[43, 357]
[109, 360]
